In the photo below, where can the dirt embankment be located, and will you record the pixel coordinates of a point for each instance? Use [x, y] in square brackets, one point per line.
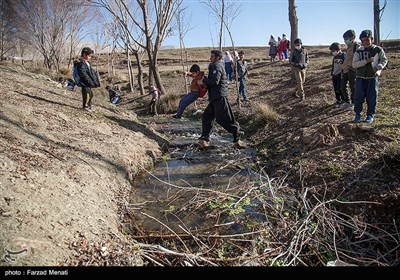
[63, 172]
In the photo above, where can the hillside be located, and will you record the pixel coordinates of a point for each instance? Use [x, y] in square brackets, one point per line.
[66, 174]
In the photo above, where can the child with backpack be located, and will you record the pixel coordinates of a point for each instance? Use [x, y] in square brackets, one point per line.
[196, 90]
[87, 78]
[336, 71]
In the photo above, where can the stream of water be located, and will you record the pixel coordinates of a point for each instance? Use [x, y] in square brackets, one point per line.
[181, 190]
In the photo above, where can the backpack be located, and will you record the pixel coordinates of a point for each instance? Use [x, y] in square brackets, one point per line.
[288, 44]
[75, 75]
[202, 91]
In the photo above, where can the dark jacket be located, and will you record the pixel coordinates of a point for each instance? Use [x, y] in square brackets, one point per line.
[216, 81]
[299, 58]
[241, 68]
[364, 69]
[88, 76]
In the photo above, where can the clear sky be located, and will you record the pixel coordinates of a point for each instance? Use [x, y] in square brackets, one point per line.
[320, 22]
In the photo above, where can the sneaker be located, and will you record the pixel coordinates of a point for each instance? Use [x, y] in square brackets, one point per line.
[239, 145]
[204, 138]
[237, 136]
[350, 107]
[203, 143]
[369, 119]
[176, 117]
[357, 118]
[347, 106]
[338, 102]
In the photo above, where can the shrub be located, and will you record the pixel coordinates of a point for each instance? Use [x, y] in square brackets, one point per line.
[264, 113]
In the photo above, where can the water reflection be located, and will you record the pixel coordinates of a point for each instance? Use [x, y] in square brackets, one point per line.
[180, 192]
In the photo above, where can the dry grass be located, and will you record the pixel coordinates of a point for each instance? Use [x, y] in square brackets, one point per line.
[264, 113]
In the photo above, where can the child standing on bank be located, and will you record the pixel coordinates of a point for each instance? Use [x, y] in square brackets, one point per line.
[299, 61]
[368, 60]
[349, 73]
[155, 96]
[336, 71]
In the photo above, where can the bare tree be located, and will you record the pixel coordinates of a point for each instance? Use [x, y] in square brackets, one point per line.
[156, 28]
[378, 13]
[45, 25]
[183, 26]
[126, 34]
[225, 11]
[7, 35]
[294, 33]
[153, 24]
[293, 29]
[76, 31]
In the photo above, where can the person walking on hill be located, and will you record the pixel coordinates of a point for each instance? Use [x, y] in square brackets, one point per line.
[368, 60]
[299, 61]
[88, 78]
[218, 108]
[349, 73]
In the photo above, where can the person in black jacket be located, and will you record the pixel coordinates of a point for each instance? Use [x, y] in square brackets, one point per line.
[88, 78]
[218, 108]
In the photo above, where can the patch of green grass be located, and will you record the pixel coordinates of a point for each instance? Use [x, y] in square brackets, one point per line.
[230, 205]
[333, 169]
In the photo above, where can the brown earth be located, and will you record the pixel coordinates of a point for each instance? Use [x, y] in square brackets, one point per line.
[65, 174]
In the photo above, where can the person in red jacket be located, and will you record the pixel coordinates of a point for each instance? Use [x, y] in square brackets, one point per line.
[285, 46]
[196, 90]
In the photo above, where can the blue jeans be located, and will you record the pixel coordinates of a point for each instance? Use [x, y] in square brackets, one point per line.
[242, 87]
[286, 54]
[366, 89]
[228, 70]
[186, 101]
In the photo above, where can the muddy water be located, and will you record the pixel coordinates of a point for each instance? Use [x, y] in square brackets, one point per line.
[178, 195]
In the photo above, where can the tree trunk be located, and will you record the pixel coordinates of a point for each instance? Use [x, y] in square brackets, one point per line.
[140, 73]
[221, 28]
[376, 23]
[293, 31]
[129, 66]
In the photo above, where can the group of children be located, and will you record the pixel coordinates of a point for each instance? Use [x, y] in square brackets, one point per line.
[359, 67]
[280, 47]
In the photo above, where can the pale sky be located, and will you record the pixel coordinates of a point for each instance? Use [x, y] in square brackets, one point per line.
[320, 22]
